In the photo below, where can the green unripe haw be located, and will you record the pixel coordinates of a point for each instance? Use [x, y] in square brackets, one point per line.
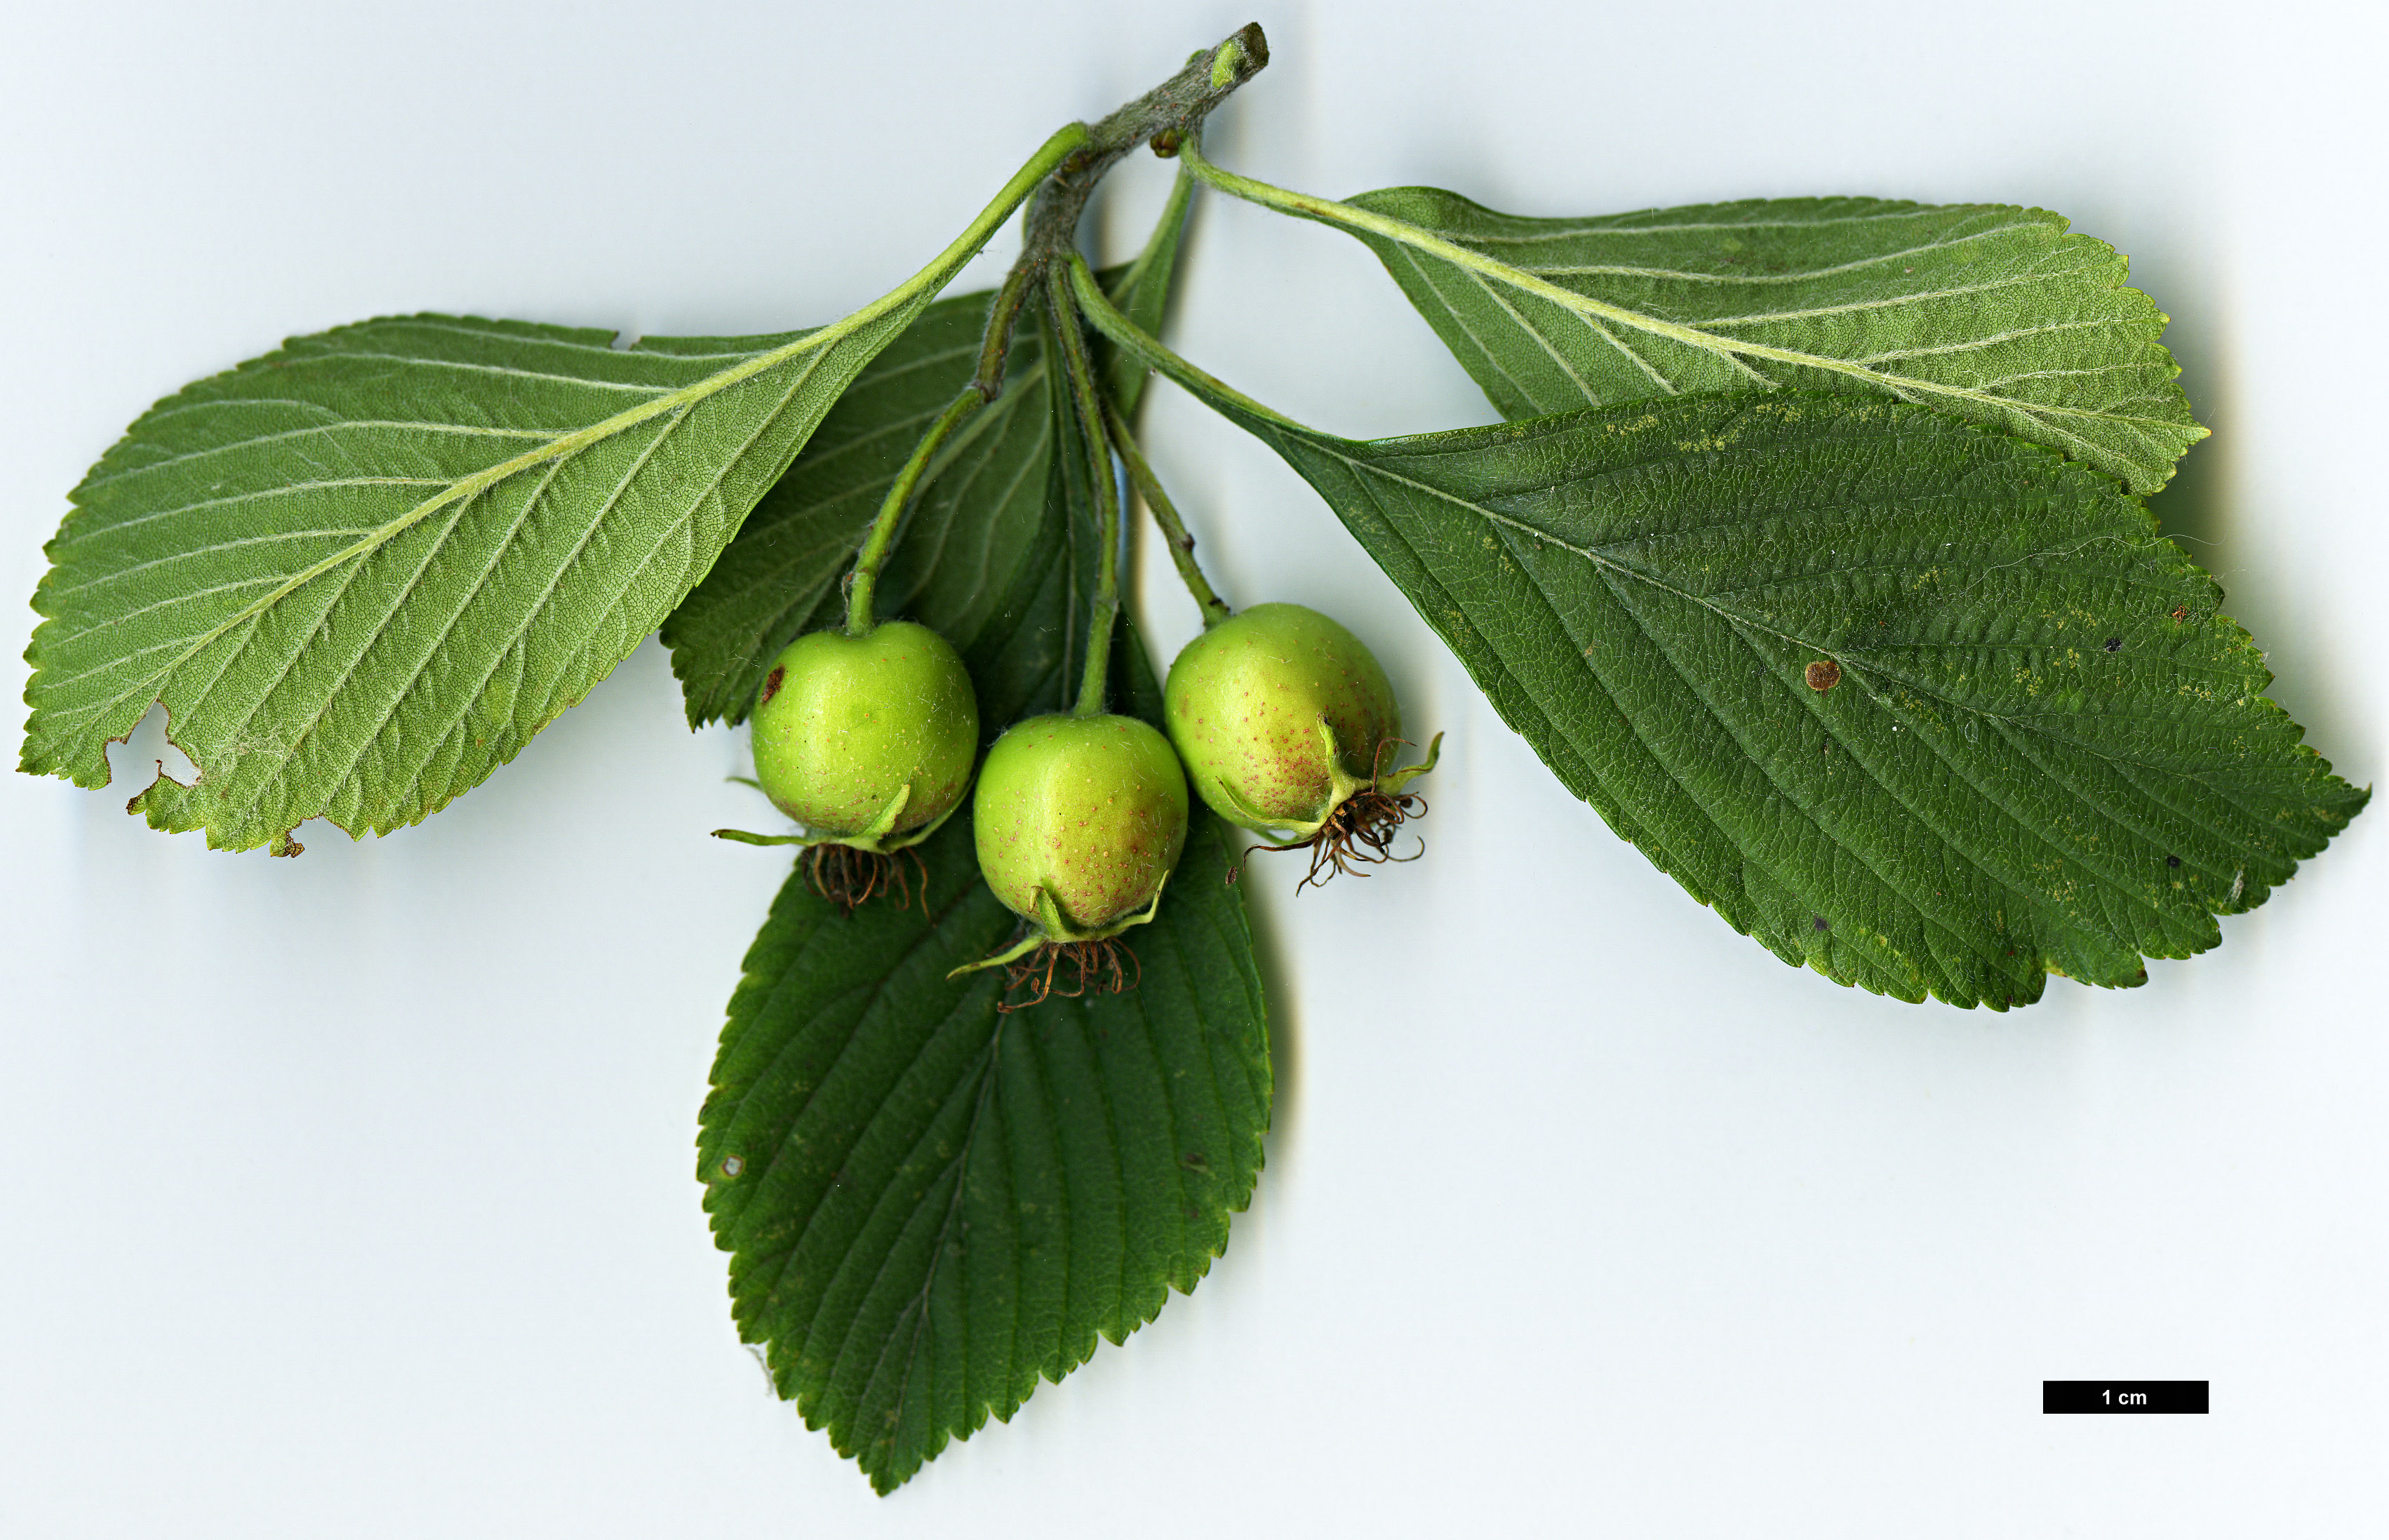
[867, 741]
[1078, 822]
[1288, 728]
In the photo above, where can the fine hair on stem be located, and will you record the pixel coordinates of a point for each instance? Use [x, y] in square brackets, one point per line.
[1165, 513]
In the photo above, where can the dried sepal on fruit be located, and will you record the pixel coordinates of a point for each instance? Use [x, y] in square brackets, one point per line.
[1288, 728]
[1078, 821]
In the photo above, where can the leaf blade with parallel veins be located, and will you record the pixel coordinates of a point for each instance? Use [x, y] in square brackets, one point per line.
[1991, 311]
[362, 571]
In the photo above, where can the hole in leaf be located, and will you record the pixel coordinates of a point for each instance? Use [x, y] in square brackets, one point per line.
[146, 754]
[625, 341]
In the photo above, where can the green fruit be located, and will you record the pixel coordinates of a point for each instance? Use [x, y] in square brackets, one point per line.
[867, 741]
[1281, 715]
[1078, 821]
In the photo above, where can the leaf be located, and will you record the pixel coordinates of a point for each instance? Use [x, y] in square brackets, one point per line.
[1988, 310]
[1921, 706]
[977, 543]
[930, 1205]
[361, 572]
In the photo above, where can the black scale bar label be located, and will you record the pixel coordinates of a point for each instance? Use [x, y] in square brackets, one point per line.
[2122, 1395]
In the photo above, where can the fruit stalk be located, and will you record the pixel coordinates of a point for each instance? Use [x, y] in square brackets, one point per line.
[1086, 400]
[1173, 528]
[865, 579]
[995, 348]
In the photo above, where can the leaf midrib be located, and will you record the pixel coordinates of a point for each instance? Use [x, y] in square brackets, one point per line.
[874, 995]
[872, 992]
[917, 1309]
[1866, 856]
[1271, 425]
[589, 530]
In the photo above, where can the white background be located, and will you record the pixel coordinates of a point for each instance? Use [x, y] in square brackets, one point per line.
[352, 1195]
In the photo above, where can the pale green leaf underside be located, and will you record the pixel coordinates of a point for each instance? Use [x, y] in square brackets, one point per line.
[1991, 311]
[2046, 749]
[361, 572]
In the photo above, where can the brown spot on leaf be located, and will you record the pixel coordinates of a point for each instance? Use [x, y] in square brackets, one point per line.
[1824, 675]
[2181, 612]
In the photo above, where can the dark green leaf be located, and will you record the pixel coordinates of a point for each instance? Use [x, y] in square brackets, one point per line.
[929, 1204]
[1921, 706]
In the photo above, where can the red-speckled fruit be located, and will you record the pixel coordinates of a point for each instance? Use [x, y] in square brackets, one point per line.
[1090, 809]
[1246, 702]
